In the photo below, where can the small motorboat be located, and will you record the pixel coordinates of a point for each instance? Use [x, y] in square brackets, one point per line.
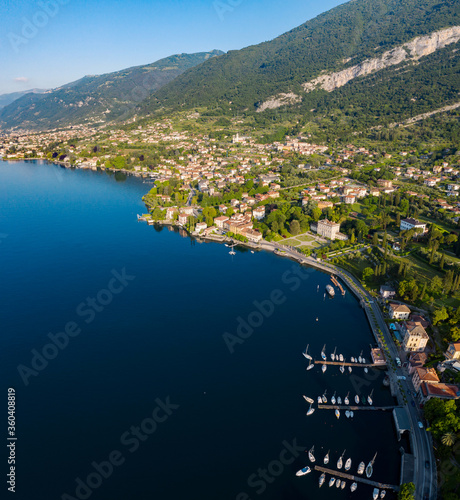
[331, 481]
[353, 487]
[351, 414]
[308, 400]
[375, 493]
[310, 411]
[324, 368]
[353, 360]
[347, 401]
[342, 369]
[366, 369]
[338, 483]
[357, 399]
[322, 478]
[348, 464]
[337, 413]
[360, 357]
[349, 369]
[333, 399]
[303, 472]
[311, 455]
[320, 400]
[341, 359]
[339, 400]
[383, 493]
[326, 458]
[361, 467]
[364, 361]
[347, 414]
[344, 483]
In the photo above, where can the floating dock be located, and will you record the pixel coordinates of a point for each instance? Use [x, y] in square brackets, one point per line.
[337, 284]
[344, 363]
[360, 479]
[354, 408]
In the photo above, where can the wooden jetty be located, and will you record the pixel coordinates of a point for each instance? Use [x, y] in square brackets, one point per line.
[360, 479]
[354, 408]
[343, 363]
[336, 283]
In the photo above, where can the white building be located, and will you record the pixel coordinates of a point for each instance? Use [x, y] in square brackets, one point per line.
[408, 224]
[328, 229]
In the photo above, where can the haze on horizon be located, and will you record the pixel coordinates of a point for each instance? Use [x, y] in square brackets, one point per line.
[48, 43]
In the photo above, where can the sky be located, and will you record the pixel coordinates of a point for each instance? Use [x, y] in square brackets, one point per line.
[47, 43]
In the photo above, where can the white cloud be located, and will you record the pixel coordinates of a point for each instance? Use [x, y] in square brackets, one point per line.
[21, 79]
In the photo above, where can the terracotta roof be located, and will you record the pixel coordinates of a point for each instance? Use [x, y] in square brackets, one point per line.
[427, 374]
[400, 308]
[446, 391]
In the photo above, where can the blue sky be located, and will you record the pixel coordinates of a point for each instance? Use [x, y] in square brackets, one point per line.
[46, 43]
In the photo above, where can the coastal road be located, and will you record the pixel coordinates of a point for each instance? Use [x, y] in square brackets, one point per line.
[426, 478]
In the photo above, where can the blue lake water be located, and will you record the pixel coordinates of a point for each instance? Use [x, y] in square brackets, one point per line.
[154, 346]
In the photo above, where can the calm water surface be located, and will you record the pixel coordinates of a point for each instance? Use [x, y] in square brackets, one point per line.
[63, 233]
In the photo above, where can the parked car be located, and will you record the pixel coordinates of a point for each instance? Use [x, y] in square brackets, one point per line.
[420, 425]
[398, 361]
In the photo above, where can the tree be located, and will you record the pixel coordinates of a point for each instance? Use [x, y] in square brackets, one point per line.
[368, 271]
[316, 214]
[455, 334]
[398, 219]
[294, 227]
[375, 239]
[449, 438]
[407, 490]
[441, 263]
[436, 284]
[440, 315]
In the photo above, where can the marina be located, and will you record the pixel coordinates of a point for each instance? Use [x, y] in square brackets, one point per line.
[354, 408]
[357, 479]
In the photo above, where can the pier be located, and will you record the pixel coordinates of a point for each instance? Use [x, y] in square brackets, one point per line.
[360, 479]
[344, 363]
[337, 284]
[355, 408]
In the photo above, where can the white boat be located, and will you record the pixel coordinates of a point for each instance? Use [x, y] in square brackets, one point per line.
[351, 414]
[347, 401]
[364, 361]
[338, 483]
[349, 369]
[383, 493]
[347, 414]
[323, 352]
[330, 290]
[361, 468]
[360, 359]
[324, 368]
[370, 467]
[341, 358]
[344, 483]
[333, 354]
[326, 458]
[337, 413]
[322, 478]
[310, 366]
[320, 400]
[353, 487]
[369, 398]
[311, 456]
[365, 369]
[375, 493]
[310, 411]
[306, 353]
[339, 400]
[331, 481]
[324, 398]
[340, 460]
[353, 360]
[333, 399]
[348, 464]
[308, 400]
[317, 288]
[357, 399]
[342, 369]
[303, 472]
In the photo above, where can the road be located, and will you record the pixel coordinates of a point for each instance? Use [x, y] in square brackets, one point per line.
[426, 478]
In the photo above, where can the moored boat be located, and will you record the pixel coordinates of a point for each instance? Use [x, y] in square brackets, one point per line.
[347, 413]
[306, 353]
[353, 487]
[341, 358]
[331, 481]
[310, 411]
[342, 369]
[322, 478]
[339, 400]
[324, 398]
[382, 493]
[361, 468]
[349, 369]
[338, 483]
[330, 290]
[337, 413]
[370, 467]
[340, 460]
[326, 458]
[311, 455]
[375, 493]
[347, 401]
[303, 472]
[357, 399]
[308, 400]
[333, 399]
[369, 398]
[323, 352]
[344, 483]
[348, 464]
[310, 365]
[324, 368]
[333, 354]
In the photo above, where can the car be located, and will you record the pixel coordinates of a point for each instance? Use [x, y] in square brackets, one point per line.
[427, 464]
[412, 403]
[402, 377]
[398, 361]
[420, 425]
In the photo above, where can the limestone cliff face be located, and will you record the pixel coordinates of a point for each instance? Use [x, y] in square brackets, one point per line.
[410, 51]
[278, 101]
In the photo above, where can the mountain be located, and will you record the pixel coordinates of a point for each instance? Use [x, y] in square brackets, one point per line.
[6, 99]
[365, 62]
[97, 98]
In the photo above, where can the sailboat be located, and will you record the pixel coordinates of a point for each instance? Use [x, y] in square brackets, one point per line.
[353, 360]
[320, 400]
[375, 493]
[308, 400]
[306, 353]
[326, 458]
[382, 493]
[339, 400]
[337, 413]
[347, 401]
[360, 358]
[342, 369]
[348, 464]
[357, 399]
[364, 361]
[370, 467]
[310, 411]
[310, 365]
[333, 399]
[361, 468]
[324, 368]
[353, 487]
[323, 352]
[333, 354]
[369, 398]
[303, 472]
[310, 454]
[324, 398]
[349, 369]
[331, 481]
[341, 358]
[322, 478]
[340, 460]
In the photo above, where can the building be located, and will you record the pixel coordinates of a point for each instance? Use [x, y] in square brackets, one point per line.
[219, 221]
[417, 360]
[421, 375]
[259, 213]
[415, 337]
[328, 229]
[384, 183]
[378, 358]
[453, 351]
[442, 391]
[200, 226]
[408, 224]
[386, 292]
[398, 311]
[183, 219]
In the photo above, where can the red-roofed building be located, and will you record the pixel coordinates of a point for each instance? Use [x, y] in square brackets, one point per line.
[424, 375]
[443, 391]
